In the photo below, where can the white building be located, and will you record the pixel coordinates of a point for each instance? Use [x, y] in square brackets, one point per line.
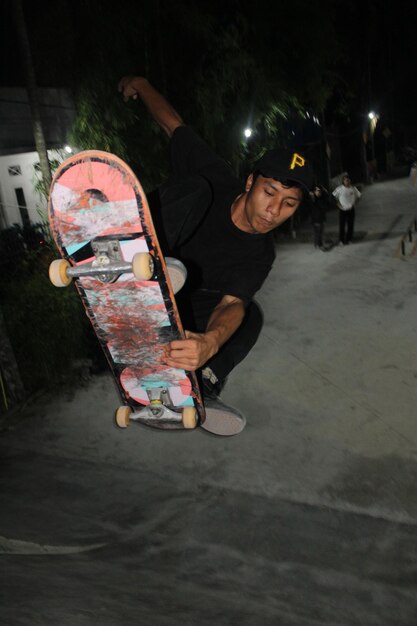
[20, 202]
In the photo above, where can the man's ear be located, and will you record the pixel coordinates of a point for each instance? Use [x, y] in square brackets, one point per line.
[249, 182]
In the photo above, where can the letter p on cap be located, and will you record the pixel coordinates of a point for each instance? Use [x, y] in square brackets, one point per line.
[297, 160]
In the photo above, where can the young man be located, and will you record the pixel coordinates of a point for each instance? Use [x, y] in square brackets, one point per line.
[221, 229]
[346, 196]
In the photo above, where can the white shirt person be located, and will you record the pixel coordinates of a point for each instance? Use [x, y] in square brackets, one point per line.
[346, 197]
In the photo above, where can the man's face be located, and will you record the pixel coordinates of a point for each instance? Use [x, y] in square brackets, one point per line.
[346, 181]
[269, 203]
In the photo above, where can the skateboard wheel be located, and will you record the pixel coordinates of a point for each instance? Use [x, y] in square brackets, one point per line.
[189, 417]
[142, 266]
[58, 273]
[123, 414]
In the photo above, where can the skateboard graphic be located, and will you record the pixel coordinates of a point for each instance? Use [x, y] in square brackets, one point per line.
[103, 229]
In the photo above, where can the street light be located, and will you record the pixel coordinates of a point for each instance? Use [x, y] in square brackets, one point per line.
[373, 120]
[247, 132]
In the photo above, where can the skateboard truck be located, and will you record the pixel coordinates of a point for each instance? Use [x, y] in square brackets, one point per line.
[107, 266]
[160, 406]
[159, 412]
[108, 256]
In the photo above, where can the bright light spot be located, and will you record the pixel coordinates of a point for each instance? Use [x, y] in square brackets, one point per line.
[371, 115]
[247, 132]
[68, 149]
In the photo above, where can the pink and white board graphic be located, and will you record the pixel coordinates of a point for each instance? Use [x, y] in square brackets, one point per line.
[95, 196]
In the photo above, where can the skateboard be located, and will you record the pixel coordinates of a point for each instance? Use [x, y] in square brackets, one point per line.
[103, 229]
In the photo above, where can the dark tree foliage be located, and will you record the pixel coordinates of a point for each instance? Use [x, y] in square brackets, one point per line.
[223, 65]
[377, 69]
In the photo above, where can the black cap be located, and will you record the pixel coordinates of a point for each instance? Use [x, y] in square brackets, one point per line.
[284, 164]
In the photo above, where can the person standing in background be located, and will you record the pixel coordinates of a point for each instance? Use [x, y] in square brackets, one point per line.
[319, 200]
[346, 197]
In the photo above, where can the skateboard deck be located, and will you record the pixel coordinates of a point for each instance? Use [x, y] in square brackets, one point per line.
[103, 229]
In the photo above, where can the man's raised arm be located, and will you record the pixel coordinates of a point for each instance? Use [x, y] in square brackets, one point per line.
[162, 112]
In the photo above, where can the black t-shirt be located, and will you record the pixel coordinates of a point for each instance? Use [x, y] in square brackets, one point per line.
[219, 256]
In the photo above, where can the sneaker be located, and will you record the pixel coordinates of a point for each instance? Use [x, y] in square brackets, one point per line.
[177, 273]
[222, 419]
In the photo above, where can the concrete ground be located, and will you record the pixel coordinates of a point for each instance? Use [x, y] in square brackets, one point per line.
[307, 517]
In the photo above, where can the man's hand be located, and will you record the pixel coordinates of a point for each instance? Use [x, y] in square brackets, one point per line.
[192, 352]
[163, 113]
[196, 349]
[129, 86]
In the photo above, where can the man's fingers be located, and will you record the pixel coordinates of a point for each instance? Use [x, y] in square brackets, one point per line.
[182, 344]
[182, 365]
[182, 354]
[186, 353]
[185, 364]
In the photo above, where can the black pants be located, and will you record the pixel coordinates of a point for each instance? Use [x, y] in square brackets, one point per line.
[318, 228]
[177, 210]
[346, 223]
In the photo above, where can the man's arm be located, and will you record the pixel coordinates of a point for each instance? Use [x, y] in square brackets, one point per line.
[336, 196]
[162, 112]
[194, 351]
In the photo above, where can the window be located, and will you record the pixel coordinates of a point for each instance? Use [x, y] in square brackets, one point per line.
[21, 203]
[15, 170]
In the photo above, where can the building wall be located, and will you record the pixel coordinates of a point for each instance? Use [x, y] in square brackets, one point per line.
[17, 172]
[16, 128]
[18, 153]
